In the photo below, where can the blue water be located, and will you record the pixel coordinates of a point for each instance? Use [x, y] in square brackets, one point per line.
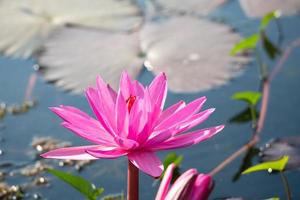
[282, 120]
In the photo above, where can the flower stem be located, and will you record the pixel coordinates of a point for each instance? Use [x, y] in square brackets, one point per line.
[132, 182]
[30, 86]
[253, 116]
[286, 185]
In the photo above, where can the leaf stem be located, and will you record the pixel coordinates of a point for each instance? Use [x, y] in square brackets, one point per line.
[253, 116]
[262, 66]
[132, 182]
[263, 111]
[286, 186]
[280, 32]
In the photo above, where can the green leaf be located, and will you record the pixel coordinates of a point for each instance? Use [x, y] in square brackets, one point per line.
[251, 97]
[278, 165]
[172, 158]
[269, 47]
[244, 116]
[273, 198]
[246, 163]
[268, 18]
[245, 44]
[83, 186]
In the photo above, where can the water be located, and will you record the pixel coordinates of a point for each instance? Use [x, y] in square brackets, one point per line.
[282, 120]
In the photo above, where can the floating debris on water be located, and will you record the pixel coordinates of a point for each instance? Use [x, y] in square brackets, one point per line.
[19, 109]
[10, 192]
[66, 163]
[120, 196]
[2, 110]
[33, 170]
[39, 181]
[43, 144]
[16, 108]
[78, 164]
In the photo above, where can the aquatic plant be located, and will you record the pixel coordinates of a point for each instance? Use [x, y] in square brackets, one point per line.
[133, 123]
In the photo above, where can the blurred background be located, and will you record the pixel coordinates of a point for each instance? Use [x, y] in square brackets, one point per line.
[51, 50]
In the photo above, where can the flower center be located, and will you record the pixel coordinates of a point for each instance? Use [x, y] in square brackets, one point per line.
[130, 101]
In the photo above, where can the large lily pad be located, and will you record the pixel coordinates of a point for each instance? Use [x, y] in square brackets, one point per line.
[73, 57]
[26, 24]
[279, 147]
[193, 52]
[259, 8]
[195, 59]
[103, 39]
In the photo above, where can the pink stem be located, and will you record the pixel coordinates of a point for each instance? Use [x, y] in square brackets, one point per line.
[30, 87]
[132, 182]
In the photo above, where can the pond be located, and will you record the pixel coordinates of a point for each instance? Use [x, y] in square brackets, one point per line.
[283, 114]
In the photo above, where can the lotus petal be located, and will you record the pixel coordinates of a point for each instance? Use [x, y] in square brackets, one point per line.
[165, 183]
[74, 153]
[127, 125]
[181, 184]
[147, 162]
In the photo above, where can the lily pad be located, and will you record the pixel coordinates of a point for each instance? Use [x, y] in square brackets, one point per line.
[74, 56]
[26, 24]
[259, 8]
[195, 59]
[73, 53]
[289, 146]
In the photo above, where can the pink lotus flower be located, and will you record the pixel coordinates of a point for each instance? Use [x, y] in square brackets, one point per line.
[132, 123]
[189, 186]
